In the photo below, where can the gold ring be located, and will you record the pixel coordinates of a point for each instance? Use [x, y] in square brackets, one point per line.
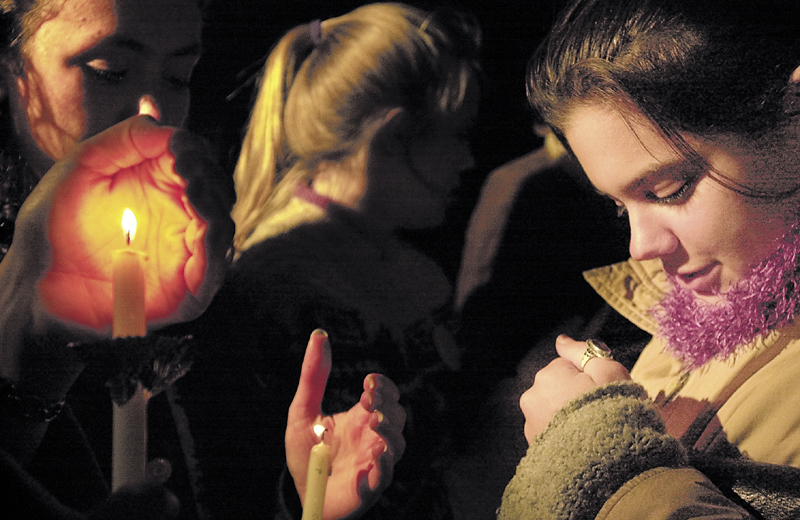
[595, 348]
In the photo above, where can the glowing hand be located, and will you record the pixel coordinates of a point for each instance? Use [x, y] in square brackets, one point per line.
[365, 441]
[181, 201]
[563, 380]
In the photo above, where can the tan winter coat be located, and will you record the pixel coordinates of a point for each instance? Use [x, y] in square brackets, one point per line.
[614, 453]
[751, 401]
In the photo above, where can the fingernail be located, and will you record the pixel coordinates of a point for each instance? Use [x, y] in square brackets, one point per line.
[380, 416]
[371, 382]
[370, 400]
[320, 331]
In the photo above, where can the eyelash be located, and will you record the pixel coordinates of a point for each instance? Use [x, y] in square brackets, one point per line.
[106, 75]
[114, 77]
[678, 196]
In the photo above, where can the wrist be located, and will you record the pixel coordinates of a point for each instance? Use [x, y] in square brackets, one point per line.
[591, 447]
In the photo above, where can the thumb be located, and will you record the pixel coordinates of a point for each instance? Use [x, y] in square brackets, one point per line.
[307, 401]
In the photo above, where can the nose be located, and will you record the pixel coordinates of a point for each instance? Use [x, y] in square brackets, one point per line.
[148, 106]
[651, 237]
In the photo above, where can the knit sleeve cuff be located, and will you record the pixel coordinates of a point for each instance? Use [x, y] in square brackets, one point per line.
[591, 447]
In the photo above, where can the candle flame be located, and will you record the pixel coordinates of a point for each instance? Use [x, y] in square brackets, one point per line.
[319, 431]
[129, 224]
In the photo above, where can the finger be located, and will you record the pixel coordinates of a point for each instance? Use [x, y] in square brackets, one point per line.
[600, 369]
[570, 349]
[381, 397]
[209, 189]
[381, 390]
[374, 475]
[377, 478]
[307, 401]
[389, 423]
[150, 138]
[124, 145]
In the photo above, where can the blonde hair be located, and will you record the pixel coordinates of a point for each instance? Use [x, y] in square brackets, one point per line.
[320, 94]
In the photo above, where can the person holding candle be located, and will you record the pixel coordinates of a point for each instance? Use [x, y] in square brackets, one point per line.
[56, 276]
[359, 133]
[685, 114]
[364, 443]
[71, 69]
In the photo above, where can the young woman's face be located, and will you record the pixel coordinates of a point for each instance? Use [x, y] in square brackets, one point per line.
[409, 182]
[706, 235]
[87, 67]
[437, 159]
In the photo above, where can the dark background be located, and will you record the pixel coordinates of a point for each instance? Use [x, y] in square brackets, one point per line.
[240, 32]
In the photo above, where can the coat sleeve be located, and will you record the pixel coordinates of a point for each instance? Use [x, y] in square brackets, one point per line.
[608, 451]
[665, 493]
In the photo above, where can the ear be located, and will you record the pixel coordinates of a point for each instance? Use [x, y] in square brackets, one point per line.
[795, 77]
[390, 134]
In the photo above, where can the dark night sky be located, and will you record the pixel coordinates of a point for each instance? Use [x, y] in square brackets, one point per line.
[239, 32]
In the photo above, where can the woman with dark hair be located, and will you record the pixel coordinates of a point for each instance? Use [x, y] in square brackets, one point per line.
[87, 80]
[684, 113]
[72, 69]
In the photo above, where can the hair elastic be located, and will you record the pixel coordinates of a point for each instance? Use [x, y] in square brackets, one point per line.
[315, 29]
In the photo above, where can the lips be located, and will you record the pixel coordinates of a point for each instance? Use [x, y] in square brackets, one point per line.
[705, 281]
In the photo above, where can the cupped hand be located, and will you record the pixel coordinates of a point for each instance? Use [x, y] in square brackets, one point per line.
[181, 201]
[563, 380]
[366, 441]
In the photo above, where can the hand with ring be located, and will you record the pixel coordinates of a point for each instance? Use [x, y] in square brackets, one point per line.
[580, 367]
[595, 349]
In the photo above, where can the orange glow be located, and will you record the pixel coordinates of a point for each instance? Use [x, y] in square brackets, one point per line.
[84, 229]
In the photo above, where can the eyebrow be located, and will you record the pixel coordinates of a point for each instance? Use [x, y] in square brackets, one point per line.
[135, 45]
[660, 171]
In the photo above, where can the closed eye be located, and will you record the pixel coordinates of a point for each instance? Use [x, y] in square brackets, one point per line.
[100, 69]
[177, 83]
[676, 197]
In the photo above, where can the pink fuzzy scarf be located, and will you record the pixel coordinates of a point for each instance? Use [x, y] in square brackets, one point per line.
[766, 299]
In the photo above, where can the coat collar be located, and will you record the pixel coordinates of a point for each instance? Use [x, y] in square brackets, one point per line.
[632, 288]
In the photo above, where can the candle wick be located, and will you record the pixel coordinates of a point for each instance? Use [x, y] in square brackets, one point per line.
[128, 238]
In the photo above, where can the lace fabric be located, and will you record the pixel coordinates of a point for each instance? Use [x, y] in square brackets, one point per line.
[17, 181]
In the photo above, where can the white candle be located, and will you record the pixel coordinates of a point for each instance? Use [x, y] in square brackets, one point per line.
[319, 468]
[129, 443]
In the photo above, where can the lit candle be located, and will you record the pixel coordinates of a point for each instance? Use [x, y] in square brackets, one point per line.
[319, 468]
[127, 285]
[129, 446]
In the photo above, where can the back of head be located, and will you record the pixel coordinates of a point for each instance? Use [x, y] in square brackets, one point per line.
[710, 67]
[326, 83]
